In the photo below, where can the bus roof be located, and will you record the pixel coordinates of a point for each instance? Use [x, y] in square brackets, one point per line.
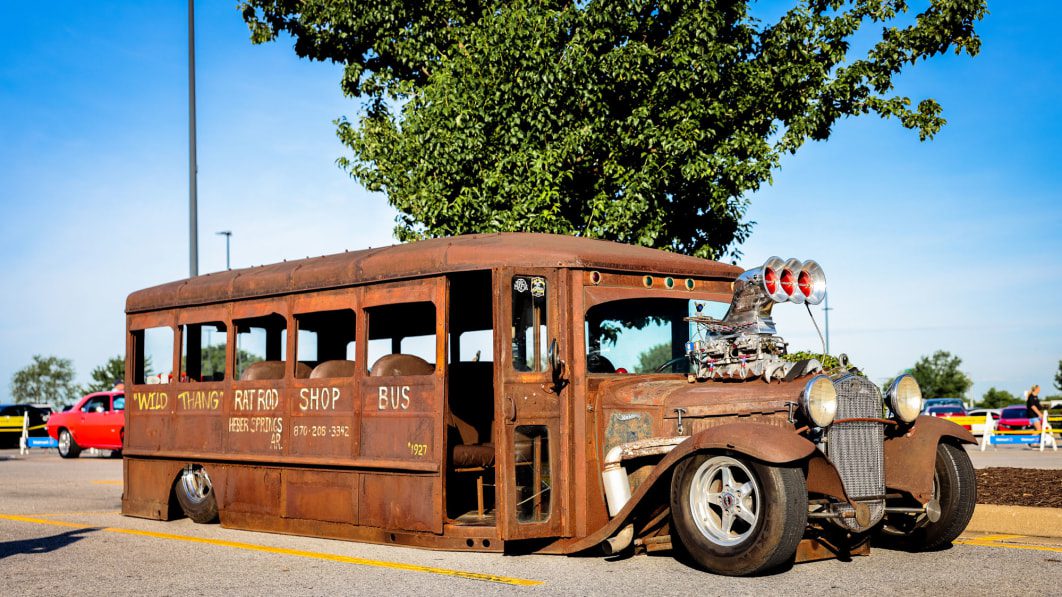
[423, 258]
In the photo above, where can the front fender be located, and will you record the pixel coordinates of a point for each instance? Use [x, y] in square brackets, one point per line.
[760, 441]
[911, 458]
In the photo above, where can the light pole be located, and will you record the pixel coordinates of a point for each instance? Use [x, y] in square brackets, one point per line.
[193, 217]
[228, 235]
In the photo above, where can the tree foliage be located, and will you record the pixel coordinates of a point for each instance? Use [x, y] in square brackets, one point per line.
[939, 376]
[994, 398]
[46, 380]
[1058, 377]
[645, 121]
[212, 363]
[653, 357]
[107, 375]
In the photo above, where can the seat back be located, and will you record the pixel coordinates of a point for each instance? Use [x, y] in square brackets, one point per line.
[400, 364]
[333, 368]
[263, 370]
[471, 401]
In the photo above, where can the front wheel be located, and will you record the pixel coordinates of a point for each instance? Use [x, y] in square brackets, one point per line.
[737, 517]
[195, 493]
[68, 448]
[955, 490]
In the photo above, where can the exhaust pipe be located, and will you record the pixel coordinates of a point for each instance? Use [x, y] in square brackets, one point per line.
[614, 476]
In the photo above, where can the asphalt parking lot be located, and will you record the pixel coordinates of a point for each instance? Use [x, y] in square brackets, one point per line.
[1015, 456]
[60, 532]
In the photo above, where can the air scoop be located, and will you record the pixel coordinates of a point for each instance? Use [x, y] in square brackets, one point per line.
[743, 344]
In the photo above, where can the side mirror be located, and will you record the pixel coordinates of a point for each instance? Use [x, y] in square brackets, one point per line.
[557, 366]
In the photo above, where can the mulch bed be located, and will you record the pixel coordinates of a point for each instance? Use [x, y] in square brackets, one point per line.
[1020, 487]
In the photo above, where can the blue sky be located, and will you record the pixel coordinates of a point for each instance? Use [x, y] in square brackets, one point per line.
[951, 244]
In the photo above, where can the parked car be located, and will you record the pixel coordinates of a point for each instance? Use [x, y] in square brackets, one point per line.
[933, 402]
[1014, 418]
[12, 417]
[947, 411]
[95, 421]
[979, 428]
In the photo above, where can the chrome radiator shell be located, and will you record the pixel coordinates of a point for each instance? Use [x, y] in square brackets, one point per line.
[857, 448]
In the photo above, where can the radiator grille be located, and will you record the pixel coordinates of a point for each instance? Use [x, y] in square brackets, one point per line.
[856, 448]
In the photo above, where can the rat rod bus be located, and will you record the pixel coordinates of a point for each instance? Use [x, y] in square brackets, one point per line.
[524, 392]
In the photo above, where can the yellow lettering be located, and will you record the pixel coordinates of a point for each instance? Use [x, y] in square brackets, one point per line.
[151, 400]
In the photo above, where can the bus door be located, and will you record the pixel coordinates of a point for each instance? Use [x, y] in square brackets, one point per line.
[533, 453]
[400, 436]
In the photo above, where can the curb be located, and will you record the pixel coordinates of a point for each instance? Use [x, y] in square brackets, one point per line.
[1016, 520]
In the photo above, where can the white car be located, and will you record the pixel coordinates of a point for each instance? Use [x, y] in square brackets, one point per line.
[979, 428]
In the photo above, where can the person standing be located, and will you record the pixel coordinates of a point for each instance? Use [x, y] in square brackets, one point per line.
[1033, 409]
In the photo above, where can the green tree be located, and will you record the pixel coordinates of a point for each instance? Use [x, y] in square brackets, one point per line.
[646, 122]
[939, 376]
[46, 380]
[653, 357]
[107, 375]
[994, 398]
[213, 360]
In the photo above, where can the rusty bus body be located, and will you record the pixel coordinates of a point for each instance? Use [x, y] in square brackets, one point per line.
[320, 422]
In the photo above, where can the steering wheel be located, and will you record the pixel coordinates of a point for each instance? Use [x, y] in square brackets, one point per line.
[670, 364]
[597, 363]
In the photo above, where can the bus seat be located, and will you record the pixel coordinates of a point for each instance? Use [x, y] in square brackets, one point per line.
[333, 368]
[263, 370]
[473, 456]
[302, 370]
[400, 364]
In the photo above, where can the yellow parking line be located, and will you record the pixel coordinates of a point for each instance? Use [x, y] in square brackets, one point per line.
[292, 552]
[58, 523]
[84, 513]
[995, 537]
[982, 543]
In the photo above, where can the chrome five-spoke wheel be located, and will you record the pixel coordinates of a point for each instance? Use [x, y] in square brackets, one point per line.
[725, 501]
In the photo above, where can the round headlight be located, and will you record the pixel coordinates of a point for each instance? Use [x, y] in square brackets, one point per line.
[819, 400]
[905, 398]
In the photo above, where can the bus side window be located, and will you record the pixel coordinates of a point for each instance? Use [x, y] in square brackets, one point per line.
[529, 323]
[153, 360]
[261, 347]
[325, 343]
[203, 351]
[401, 339]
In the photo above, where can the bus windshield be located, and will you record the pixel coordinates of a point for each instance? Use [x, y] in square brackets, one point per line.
[644, 335]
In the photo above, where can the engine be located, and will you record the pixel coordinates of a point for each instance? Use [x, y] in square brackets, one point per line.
[744, 344]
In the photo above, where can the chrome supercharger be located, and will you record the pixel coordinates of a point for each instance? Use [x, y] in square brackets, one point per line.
[744, 344]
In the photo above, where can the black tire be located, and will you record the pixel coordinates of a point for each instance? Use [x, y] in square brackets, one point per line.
[955, 488]
[195, 494]
[68, 448]
[720, 536]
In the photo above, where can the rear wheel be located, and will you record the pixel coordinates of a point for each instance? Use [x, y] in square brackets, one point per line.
[68, 448]
[737, 517]
[195, 493]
